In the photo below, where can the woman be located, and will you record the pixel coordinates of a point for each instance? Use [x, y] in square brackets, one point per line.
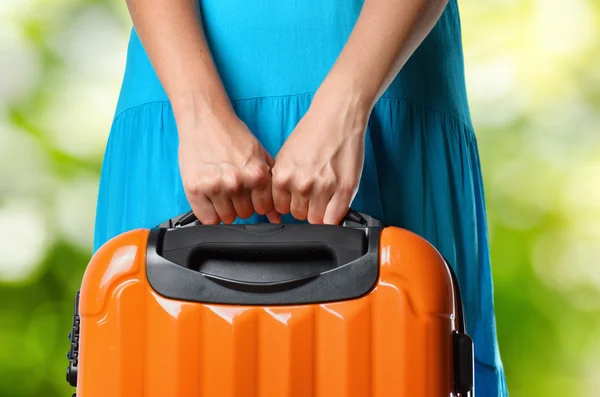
[244, 110]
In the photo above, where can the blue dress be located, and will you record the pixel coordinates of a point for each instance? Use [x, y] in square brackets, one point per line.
[422, 169]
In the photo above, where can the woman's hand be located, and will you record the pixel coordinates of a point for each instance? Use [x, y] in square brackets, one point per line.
[225, 171]
[318, 169]
[317, 172]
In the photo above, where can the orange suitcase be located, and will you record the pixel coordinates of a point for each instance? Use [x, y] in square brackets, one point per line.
[296, 310]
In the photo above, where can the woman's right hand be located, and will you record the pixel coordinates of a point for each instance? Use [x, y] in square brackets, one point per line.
[225, 171]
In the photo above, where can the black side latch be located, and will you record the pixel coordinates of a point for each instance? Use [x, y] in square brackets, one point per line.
[73, 354]
[463, 363]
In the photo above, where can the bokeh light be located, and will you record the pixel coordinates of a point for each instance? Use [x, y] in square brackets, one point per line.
[533, 78]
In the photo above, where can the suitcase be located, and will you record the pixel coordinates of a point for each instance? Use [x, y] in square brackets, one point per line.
[265, 310]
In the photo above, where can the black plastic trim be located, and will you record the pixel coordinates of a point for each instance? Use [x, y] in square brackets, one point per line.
[463, 363]
[460, 308]
[463, 359]
[73, 354]
[244, 286]
[345, 281]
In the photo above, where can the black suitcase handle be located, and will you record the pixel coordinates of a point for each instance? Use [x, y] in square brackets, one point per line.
[264, 257]
[260, 264]
[276, 263]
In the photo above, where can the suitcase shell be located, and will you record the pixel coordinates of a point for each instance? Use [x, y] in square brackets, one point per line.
[403, 337]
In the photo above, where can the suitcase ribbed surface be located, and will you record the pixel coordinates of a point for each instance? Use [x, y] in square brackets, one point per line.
[349, 349]
[323, 350]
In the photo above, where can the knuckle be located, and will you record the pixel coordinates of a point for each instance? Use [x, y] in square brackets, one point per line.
[304, 184]
[281, 179]
[231, 182]
[210, 185]
[327, 183]
[192, 188]
[256, 174]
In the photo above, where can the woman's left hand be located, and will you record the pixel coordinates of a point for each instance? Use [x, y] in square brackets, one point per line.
[318, 169]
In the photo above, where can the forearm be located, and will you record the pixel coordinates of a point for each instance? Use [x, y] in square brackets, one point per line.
[386, 34]
[172, 35]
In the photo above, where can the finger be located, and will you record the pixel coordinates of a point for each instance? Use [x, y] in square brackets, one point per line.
[204, 210]
[262, 197]
[274, 217]
[224, 207]
[242, 204]
[282, 199]
[337, 208]
[257, 180]
[299, 206]
[324, 188]
[317, 207]
[262, 200]
[282, 196]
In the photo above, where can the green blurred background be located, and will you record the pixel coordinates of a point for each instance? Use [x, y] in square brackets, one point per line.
[533, 74]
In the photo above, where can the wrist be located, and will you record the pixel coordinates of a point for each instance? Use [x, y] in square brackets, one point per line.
[192, 111]
[346, 93]
[344, 100]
